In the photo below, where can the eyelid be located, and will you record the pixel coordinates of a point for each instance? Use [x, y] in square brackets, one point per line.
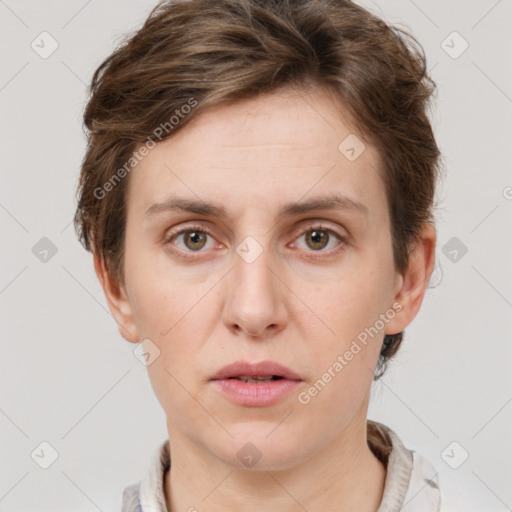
[320, 225]
[173, 233]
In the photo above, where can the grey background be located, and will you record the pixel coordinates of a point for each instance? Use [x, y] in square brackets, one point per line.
[66, 375]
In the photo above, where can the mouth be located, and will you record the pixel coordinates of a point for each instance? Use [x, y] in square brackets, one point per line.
[256, 385]
[264, 371]
[257, 378]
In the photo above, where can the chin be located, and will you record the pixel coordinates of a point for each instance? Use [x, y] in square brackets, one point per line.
[256, 450]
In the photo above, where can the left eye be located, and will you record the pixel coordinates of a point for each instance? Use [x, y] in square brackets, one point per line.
[318, 238]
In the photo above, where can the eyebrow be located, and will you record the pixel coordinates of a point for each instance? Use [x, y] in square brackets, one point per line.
[330, 202]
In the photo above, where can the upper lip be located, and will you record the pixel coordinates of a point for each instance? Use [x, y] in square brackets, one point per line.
[261, 369]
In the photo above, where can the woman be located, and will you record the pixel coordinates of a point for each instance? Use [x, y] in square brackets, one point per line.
[257, 193]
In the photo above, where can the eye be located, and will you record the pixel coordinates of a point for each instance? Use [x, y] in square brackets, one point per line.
[194, 238]
[318, 238]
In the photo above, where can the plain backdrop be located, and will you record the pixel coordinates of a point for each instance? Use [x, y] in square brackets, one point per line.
[69, 379]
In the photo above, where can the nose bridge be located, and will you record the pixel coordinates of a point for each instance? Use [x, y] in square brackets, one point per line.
[254, 302]
[252, 261]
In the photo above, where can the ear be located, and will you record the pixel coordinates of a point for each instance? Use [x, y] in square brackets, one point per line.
[412, 284]
[118, 302]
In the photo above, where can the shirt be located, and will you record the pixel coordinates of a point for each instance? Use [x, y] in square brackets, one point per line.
[411, 483]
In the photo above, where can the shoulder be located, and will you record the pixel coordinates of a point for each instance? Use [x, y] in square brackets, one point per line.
[460, 494]
[416, 484]
[455, 492]
[424, 491]
[131, 501]
[148, 494]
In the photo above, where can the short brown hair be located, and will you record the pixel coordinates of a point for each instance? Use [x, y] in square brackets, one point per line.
[228, 50]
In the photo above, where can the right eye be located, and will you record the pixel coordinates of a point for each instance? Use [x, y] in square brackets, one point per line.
[194, 238]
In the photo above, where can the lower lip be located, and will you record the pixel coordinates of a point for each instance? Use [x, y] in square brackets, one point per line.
[251, 394]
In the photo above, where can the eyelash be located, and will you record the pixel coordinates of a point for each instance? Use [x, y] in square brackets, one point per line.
[313, 226]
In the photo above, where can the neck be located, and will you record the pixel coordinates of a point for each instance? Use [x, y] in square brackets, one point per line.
[344, 476]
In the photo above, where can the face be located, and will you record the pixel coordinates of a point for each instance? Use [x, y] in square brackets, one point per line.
[263, 281]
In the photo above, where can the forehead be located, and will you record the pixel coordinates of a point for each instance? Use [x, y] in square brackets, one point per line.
[273, 149]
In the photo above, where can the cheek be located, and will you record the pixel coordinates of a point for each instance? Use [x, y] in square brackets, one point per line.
[345, 346]
[348, 302]
[161, 297]
[343, 356]
[173, 384]
[177, 321]
[164, 291]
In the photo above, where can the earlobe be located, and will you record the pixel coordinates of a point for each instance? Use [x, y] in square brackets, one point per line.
[118, 302]
[414, 280]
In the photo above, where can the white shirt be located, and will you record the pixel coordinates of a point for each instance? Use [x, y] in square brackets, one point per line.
[412, 483]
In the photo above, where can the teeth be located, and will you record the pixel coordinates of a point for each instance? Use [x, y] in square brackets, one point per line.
[255, 379]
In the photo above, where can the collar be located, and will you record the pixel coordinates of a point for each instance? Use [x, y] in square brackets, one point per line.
[411, 481]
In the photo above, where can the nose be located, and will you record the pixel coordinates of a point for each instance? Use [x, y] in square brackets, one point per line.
[255, 301]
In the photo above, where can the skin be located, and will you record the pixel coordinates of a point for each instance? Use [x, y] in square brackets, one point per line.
[287, 305]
